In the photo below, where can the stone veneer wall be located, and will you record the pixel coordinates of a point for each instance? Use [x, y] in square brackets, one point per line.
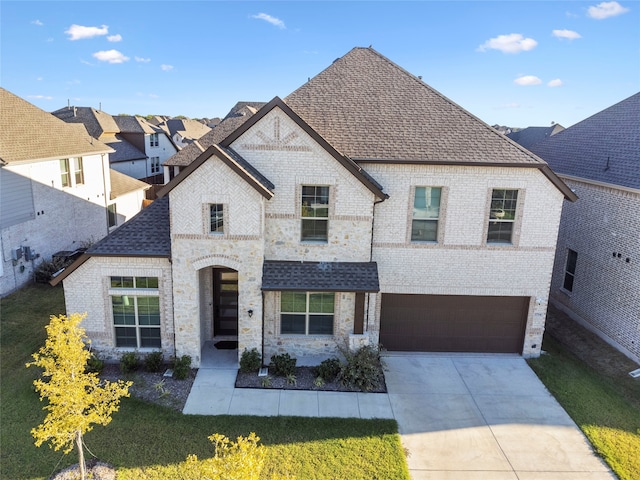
[461, 263]
[606, 291]
[87, 290]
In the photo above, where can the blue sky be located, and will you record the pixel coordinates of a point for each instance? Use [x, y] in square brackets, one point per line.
[514, 63]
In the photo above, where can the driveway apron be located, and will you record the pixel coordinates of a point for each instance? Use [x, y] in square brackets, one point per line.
[484, 417]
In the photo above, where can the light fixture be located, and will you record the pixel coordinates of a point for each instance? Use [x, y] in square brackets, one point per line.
[250, 312]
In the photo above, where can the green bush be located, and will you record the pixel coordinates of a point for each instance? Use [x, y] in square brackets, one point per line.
[153, 362]
[362, 369]
[283, 365]
[46, 269]
[250, 361]
[328, 369]
[94, 364]
[129, 362]
[181, 367]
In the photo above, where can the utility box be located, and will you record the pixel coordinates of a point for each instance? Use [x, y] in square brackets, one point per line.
[16, 254]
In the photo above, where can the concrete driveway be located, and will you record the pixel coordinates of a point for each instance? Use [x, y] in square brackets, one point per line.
[484, 417]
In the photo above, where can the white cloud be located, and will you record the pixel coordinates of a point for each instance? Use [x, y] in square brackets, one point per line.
[272, 20]
[605, 10]
[555, 83]
[166, 68]
[110, 56]
[37, 22]
[115, 38]
[526, 80]
[78, 32]
[512, 43]
[40, 97]
[153, 95]
[142, 60]
[568, 34]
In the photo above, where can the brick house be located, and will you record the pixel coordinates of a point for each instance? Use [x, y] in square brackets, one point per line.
[364, 207]
[596, 278]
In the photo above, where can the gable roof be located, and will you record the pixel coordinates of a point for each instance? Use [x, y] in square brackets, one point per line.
[239, 114]
[124, 151]
[531, 135]
[28, 133]
[132, 124]
[147, 234]
[604, 147]
[97, 123]
[187, 128]
[122, 184]
[346, 162]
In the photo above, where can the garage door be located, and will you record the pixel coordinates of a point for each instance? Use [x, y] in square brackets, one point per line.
[444, 323]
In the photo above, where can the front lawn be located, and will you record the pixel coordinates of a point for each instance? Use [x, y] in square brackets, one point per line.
[144, 437]
[606, 411]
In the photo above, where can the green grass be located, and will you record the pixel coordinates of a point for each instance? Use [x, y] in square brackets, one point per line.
[142, 436]
[607, 411]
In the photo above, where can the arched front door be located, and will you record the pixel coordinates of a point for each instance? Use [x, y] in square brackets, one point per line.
[225, 301]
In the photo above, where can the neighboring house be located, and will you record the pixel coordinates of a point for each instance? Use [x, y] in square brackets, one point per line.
[527, 137]
[365, 207]
[126, 198]
[183, 131]
[151, 140]
[239, 114]
[125, 158]
[53, 179]
[596, 277]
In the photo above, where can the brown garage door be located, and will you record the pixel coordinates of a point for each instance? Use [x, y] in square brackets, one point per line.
[444, 323]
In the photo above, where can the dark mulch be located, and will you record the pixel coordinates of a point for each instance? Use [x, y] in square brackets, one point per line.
[305, 380]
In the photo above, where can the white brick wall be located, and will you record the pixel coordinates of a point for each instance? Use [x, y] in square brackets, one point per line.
[606, 291]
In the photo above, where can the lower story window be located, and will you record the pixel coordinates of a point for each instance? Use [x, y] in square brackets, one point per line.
[137, 321]
[306, 313]
[570, 270]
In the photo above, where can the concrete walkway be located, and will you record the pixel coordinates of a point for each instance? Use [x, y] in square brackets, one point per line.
[460, 417]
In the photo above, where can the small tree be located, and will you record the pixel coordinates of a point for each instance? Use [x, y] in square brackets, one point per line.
[77, 398]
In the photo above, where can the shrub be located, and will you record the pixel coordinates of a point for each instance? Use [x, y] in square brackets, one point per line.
[153, 362]
[46, 269]
[362, 369]
[283, 365]
[181, 367]
[328, 369]
[129, 362]
[94, 364]
[250, 361]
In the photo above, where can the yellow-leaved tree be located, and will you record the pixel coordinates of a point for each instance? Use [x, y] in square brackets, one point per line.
[77, 398]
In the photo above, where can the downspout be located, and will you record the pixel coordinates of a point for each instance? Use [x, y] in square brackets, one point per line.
[107, 195]
[373, 219]
[262, 352]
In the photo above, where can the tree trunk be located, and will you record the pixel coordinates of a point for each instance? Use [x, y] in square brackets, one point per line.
[81, 463]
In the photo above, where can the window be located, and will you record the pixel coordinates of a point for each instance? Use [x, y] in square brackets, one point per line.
[570, 270]
[78, 171]
[306, 313]
[426, 212]
[153, 139]
[155, 164]
[112, 215]
[216, 211]
[502, 216]
[136, 313]
[315, 213]
[65, 176]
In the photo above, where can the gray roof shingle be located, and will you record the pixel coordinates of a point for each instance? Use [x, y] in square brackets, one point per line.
[97, 123]
[604, 147]
[320, 276]
[531, 135]
[122, 184]
[124, 150]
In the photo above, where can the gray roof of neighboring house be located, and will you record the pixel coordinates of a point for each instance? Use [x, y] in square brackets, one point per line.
[131, 124]
[97, 123]
[124, 151]
[369, 108]
[320, 276]
[122, 184]
[604, 147]
[187, 128]
[531, 135]
[239, 114]
[29, 133]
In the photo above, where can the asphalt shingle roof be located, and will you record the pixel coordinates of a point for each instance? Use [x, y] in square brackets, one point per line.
[320, 276]
[604, 147]
[97, 123]
[531, 135]
[122, 184]
[124, 150]
[131, 124]
[368, 107]
[187, 128]
[29, 133]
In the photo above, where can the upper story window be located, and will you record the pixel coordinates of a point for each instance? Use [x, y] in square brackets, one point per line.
[135, 304]
[78, 171]
[426, 213]
[570, 270]
[306, 313]
[154, 140]
[315, 213]
[502, 216]
[112, 215]
[65, 175]
[71, 177]
[155, 164]
[216, 215]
